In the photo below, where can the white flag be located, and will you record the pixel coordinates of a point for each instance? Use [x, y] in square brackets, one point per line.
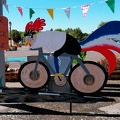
[85, 9]
[67, 12]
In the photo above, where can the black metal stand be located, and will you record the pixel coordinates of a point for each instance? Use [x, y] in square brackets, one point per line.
[70, 107]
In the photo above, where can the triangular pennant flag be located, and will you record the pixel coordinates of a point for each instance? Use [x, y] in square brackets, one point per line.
[111, 4]
[67, 12]
[31, 12]
[51, 13]
[5, 5]
[85, 9]
[20, 10]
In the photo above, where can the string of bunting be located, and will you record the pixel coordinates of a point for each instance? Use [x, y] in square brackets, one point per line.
[84, 8]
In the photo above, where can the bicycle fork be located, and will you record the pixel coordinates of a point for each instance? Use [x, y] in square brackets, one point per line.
[40, 55]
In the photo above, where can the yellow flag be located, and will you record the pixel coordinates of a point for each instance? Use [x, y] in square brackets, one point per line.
[51, 13]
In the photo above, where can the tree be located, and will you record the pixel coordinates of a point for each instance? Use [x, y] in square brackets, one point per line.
[68, 30]
[59, 29]
[77, 33]
[85, 35]
[21, 34]
[101, 24]
[16, 36]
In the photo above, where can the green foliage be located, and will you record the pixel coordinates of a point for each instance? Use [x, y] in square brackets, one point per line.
[20, 32]
[16, 36]
[101, 24]
[82, 56]
[77, 33]
[59, 29]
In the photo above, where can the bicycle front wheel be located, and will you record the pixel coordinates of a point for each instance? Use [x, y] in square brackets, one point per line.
[88, 84]
[34, 81]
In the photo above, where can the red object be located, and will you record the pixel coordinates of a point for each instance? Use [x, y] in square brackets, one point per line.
[20, 10]
[36, 25]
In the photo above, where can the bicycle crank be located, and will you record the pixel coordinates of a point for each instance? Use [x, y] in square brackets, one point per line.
[60, 79]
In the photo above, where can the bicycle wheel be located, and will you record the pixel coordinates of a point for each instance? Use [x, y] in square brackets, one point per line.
[88, 84]
[31, 81]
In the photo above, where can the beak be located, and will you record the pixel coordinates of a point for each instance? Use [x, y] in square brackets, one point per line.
[26, 43]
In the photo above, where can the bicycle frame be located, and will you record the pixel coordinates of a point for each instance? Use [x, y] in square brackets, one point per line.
[87, 77]
[73, 57]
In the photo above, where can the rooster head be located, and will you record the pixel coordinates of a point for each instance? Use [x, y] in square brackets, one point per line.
[31, 29]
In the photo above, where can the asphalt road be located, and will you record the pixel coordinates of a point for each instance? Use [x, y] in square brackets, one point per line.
[18, 103]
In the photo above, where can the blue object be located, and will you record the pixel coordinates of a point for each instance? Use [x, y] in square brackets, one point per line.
[56, 64]
[18, 59]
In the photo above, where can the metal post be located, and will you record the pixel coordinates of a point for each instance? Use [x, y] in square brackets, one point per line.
[70, 107]
[10, 24]
[2, 57]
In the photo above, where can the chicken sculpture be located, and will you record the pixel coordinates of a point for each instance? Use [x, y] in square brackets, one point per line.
[100, 40]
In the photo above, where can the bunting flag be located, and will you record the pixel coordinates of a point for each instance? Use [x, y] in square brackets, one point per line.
[67, 12]
[85, 9]
[31, 12]
[111, 4]
[5, 5]
[51, 13]
[20, 10]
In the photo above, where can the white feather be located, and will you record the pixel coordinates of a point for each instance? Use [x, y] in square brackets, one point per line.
[49, 40]
[108, 40]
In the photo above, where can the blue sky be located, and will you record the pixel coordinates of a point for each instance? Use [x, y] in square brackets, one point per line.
[97, 13]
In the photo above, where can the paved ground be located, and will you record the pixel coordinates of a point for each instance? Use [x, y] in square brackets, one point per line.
[21, 104]
[104, 106]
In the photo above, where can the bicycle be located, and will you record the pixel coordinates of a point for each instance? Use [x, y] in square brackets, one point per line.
[86, 77]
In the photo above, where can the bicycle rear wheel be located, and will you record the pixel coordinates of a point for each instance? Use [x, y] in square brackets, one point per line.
[88, 84]
[31, 81]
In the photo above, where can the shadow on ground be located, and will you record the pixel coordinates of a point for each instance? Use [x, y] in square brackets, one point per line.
[31, 110]
[10, 97]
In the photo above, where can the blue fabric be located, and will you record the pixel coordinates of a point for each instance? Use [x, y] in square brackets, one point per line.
[110, 28]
